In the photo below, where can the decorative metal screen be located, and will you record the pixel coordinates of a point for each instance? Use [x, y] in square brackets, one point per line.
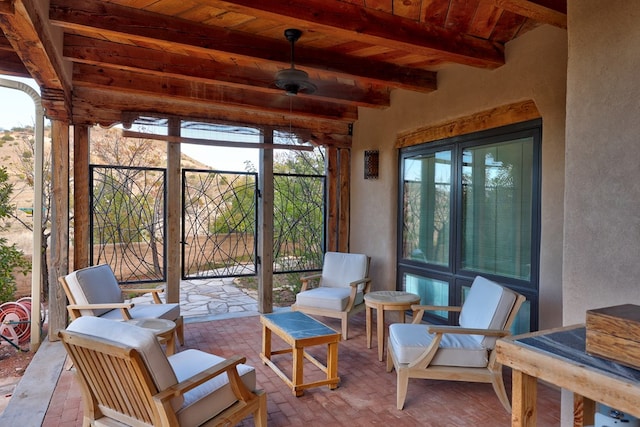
[298, 218]
[219, 224]
[128, 221]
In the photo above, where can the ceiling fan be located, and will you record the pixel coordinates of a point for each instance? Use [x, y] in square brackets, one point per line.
[292, 80]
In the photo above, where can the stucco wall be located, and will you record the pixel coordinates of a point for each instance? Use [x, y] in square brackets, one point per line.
[602, 200]
[535, 69]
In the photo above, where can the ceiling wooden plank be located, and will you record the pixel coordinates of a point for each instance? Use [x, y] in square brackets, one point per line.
[98, 52]
[534, 11]
[107, 18]
[135, 82]
[11, 64]
[484, 20]
[350, 21]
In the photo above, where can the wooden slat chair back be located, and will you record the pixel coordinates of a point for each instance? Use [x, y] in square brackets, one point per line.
[137, 385]
[94, 291]
[338, 291]
[456, 353]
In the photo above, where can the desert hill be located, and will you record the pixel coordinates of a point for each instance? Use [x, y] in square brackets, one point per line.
[108, 147]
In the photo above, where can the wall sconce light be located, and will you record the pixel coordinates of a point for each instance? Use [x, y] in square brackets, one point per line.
[371, 164]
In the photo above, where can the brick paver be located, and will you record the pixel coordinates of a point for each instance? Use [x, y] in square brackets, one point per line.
[366, 395]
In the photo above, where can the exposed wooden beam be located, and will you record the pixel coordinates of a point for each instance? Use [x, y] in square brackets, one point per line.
[347, 20]
[489, 119]
[163, 64]
[108, 107]
[534, 11]
[25, 25]
[173, 33]
[224, 97]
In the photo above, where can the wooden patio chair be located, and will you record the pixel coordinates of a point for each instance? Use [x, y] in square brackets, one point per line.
[94, 291]
[340, 288]
[126, 379]
[456, 353]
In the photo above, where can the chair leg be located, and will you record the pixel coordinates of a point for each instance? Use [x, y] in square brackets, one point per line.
[389, 358]
[180, 329]
[402, 385]
[260, 415]
[345, 326]
[501, 392]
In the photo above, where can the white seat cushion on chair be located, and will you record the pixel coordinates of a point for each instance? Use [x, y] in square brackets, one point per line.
[409, 341]
[144, 340]
[328, 298]
[486, 306]
[210, 398]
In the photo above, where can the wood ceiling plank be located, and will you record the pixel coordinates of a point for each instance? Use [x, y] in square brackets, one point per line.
[103, 19]
[11, 64]
[460, 14]
[484, 20]
[434, 12]
[409, 9]
[382, 5]
[348, 21]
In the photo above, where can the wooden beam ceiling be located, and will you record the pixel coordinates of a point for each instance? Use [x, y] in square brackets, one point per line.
[108, 60]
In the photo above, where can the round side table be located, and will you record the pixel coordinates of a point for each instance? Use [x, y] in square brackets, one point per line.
[163, 329]
[386, 301]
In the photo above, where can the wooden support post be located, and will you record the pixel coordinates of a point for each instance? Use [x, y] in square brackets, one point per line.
[265, 225]
[81, 198]
[344, 189]
[332, 200]
[173, 214]
[59, 250]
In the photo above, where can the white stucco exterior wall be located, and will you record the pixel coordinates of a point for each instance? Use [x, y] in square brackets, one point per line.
[602, 198]
[535, 69]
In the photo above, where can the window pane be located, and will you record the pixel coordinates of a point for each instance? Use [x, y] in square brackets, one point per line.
[497, 207]
[431, 291]
[427, 200]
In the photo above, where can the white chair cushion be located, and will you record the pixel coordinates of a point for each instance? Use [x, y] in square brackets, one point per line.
[487, 306]
[409, 341]
[144, 311]
[340, 269]
[143, 340]
[94, 285]
[327, 298]
[210, 398]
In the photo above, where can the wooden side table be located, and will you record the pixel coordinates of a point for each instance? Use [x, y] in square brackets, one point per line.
[163, 329]
[386, 301]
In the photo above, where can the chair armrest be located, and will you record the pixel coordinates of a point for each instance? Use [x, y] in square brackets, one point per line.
[306, 279]
[228, 365]
[449, 329]
[153, 291]
[120, 305]
[74, 309]
[418, 310]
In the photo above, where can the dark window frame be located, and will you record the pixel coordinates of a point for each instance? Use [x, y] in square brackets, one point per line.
[453, 273]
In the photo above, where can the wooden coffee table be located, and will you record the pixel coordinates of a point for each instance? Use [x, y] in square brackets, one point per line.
[300, 331]
[386, 301]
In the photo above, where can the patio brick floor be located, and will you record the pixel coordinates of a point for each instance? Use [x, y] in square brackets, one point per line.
[366, 395]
